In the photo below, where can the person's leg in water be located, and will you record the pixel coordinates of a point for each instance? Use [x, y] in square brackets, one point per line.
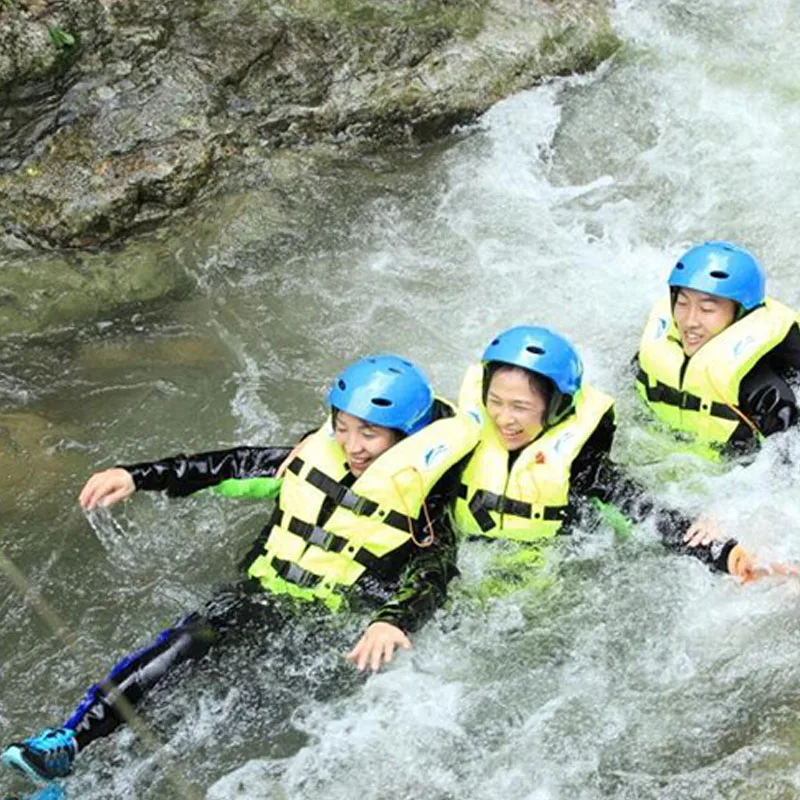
[108, 704]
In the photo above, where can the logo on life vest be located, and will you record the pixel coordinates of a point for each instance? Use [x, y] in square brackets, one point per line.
[562, 440]
[473, 413]
[435, 455]
[742, 346]
[661, 327]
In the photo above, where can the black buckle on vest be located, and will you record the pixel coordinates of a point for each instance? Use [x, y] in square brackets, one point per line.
[315, 535]
[346, 498]
[490, 501]
[340, 494]
[292, 573]
[483, 502]
[480, 506]
[661, 393]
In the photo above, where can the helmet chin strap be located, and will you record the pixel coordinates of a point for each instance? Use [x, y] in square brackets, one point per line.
[742, 312]
[561, 406]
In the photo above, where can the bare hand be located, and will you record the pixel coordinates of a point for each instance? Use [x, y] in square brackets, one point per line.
[775, 569]
[779, 569]
[376, 646]
[106, 488]
[703, 531]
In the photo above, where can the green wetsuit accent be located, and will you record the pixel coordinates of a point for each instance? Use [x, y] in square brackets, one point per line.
[253, 488]
[613, 517]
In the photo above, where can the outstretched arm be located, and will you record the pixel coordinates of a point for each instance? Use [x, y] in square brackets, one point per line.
[181, 475]
[595, 475]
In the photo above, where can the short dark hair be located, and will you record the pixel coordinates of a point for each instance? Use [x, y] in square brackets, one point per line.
[540, 385]
[398, 434]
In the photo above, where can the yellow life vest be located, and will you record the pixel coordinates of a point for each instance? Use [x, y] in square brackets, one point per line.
[377, 515]
[529, 502]
[701, 399]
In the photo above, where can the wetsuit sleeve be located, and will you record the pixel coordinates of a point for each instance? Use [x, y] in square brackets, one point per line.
[182, 475]
[765, 394]
[423, 587]
[596, 476]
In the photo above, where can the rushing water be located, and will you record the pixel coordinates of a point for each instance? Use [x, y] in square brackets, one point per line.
[630, 673]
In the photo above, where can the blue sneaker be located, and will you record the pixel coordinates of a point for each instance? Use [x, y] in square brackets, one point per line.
[44, 757]
[50, 792]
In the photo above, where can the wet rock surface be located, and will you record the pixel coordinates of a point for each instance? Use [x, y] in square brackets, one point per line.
[114, 115]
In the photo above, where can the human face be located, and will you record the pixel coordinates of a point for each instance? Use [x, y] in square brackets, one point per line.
[700, 317]
[516, 410]
[362, 443]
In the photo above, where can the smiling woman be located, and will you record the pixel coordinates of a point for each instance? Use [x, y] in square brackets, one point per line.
[545, 451]
[362, 443]
[517, 401]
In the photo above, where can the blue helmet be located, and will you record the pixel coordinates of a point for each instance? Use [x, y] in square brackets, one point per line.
[384, 390]
[546, 353]
[722, 269]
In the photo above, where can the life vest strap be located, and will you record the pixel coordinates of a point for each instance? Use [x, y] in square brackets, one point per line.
[483, 502]
[314, 534]
[340, 494]
[292, 573]
[661, 393]
[346, 498]
[325, 540]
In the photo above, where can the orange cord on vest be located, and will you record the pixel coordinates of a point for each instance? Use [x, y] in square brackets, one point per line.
[430, 538]
[754, 429]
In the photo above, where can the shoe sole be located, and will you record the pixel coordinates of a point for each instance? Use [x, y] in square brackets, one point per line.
[13, 757]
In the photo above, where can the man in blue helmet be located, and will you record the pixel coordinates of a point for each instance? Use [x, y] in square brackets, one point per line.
[717, 355]
[361, 522]
[545, 451]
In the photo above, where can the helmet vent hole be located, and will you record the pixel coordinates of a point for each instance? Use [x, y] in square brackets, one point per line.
[395, 370]
[719, 274]
[679, 265]
[341, 384]
[408, 363]
[381, 401]
[537, 351]
[494, 342]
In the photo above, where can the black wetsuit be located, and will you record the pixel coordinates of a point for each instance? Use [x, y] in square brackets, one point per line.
[415, 588]
[595, 475]
[765, 394]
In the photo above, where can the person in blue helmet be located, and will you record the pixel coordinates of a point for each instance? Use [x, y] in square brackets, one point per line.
[544, 458]
[717, 356]
[361, 522]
